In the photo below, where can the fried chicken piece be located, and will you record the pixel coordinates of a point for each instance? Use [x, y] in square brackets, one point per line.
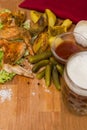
[18, 70]
[13, 51]
[11, 32]
[5, 15]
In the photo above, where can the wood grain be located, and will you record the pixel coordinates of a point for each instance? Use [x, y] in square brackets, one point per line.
[32, 106]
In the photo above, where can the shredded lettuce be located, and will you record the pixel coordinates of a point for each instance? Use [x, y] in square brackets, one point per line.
[26, 24]
[20, 61]
[1, 57]
[1, 25]
[26, 53]
[5, 76]
[5, 10]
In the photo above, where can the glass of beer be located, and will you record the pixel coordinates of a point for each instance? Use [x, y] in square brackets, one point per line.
[74, 83]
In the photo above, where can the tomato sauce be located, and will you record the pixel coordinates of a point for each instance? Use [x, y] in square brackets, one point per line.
[66, 49]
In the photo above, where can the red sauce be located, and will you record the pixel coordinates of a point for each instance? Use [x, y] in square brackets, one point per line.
[66, 49]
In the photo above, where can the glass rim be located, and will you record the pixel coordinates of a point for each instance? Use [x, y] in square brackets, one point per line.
[66, 70]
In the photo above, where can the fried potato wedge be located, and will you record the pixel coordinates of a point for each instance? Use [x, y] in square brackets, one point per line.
[35, 15]
[38, 27]
[56, 30]
[51, 17]
[41, 43]
[67, 23]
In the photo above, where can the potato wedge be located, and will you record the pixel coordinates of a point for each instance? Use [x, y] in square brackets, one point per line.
[41, 43]
[56, 30]
[51, 17]
[67, 24]
[35, 15]
[39, 26]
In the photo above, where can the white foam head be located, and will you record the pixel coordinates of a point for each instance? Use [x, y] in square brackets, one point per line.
[77, 71]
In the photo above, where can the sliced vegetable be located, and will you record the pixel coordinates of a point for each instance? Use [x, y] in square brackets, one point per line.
[1, 25]
[40, 64]
[34, 15]
[1, 57]
[67, 24]
[40, 74]
[38, 27]
[38, 57]
[48, 74]
[20, 61]
[56, 30]
[41, 43]
[51, 17]
[5, 76]
[55, 77]
[53, 61]
[5, 11]
[26, 24]
[60, 68]
[51, 39]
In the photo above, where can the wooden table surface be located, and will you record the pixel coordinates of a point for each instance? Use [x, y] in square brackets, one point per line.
[32, 106]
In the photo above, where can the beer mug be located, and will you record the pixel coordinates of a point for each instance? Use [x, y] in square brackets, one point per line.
[74, 83]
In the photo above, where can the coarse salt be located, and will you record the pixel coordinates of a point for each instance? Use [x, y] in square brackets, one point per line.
[5, 94]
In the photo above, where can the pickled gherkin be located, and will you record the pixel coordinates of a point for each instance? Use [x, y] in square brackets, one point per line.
[60, 68]
[48, 71]
[40, 64]
[55, 77]
[40, 74]
[36, 58]
[53, 61]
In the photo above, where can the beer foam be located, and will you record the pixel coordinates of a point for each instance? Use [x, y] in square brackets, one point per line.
[77, 72]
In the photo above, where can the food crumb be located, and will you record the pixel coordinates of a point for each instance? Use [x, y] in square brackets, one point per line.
[47, 90]
[28, 82]
[38, 83]
[33, 93]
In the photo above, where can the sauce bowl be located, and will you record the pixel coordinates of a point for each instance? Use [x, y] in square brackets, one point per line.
[66, 44]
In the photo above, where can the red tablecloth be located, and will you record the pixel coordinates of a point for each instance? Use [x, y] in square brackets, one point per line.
[75, 10]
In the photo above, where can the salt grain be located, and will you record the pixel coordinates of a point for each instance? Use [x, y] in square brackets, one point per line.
[5, 94]
[33, 93]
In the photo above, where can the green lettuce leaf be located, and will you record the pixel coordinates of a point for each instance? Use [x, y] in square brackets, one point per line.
[1, 57]
[5, 76]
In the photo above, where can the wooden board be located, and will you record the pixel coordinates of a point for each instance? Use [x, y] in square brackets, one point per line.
[33, 107]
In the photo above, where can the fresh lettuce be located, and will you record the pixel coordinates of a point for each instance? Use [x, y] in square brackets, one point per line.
[26, 24]
[5, 76]
[1, 25]
[20, 61]
[5, 11]
[1, 57]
